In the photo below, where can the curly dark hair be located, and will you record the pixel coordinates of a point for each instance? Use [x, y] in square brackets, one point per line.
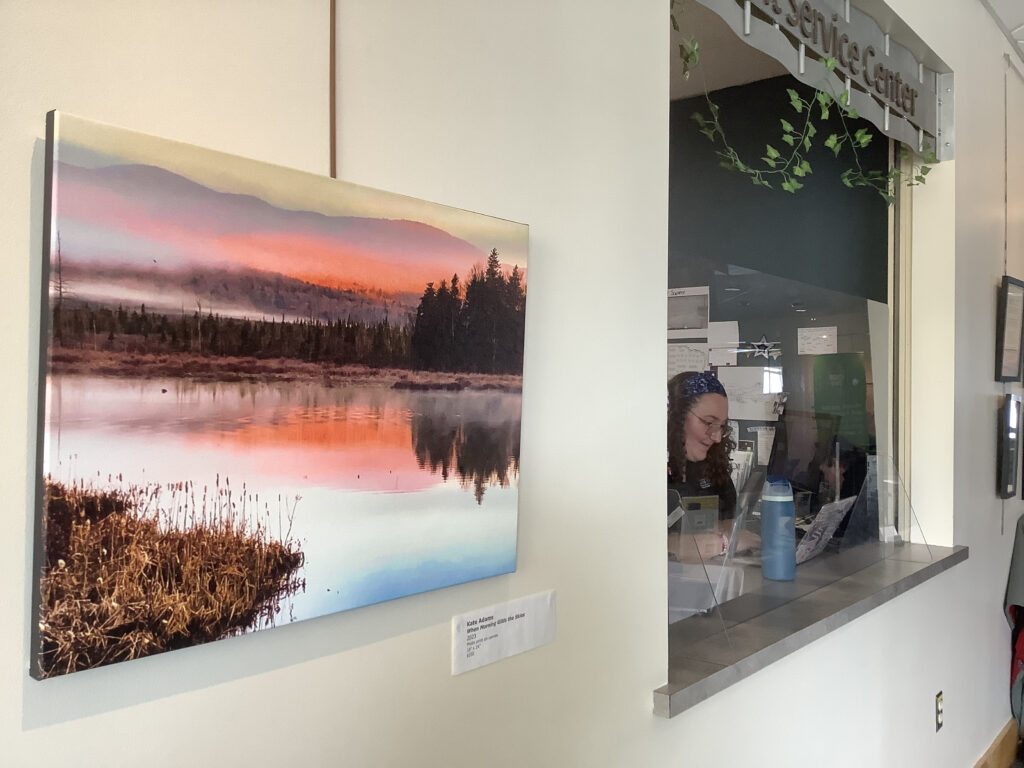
[718, 464]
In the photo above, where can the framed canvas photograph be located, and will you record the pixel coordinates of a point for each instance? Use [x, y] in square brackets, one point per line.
[1009, 329]
[269, 396]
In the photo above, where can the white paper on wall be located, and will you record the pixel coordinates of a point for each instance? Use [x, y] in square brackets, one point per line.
[817, 341]
[742, 461]
[723, 341]
[765, 438]
[687, 356]
[745, 386]
[688, 310]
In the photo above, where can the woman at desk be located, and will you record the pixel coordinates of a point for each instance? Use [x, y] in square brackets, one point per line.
[699, 448]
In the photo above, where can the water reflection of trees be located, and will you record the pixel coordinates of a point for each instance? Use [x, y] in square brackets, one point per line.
[480, 454]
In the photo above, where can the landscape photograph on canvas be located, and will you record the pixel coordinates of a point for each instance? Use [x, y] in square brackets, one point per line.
[269, 396]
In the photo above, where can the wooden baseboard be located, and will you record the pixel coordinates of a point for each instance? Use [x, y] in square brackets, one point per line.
[1003, 749]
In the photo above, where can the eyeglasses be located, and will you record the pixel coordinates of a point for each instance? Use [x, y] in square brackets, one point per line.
[711, 426]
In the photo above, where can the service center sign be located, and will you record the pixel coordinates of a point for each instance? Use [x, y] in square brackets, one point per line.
[824, 33]
[905, 97]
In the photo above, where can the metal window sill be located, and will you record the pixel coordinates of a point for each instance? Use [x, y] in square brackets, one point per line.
[707, 654]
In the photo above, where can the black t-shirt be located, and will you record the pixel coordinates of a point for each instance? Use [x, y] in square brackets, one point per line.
[697, 484]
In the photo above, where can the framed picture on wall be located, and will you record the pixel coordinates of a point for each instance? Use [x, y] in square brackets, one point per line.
[1009, 327]
[269, 396]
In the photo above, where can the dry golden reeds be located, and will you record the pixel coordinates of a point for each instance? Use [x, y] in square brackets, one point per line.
[139, 570]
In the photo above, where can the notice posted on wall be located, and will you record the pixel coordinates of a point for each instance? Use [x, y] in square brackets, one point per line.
[723, 341]
[490, 634]
[687, 356]
[765, 439]
[817, 341]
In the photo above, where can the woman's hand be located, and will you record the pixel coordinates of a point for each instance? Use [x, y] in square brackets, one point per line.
[690, 547]
[747, 541]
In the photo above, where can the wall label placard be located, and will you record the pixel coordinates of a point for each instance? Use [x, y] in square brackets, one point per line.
[498, 631]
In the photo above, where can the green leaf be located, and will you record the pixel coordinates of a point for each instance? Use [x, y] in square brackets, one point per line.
[806, 166]
[689, 51]
[846, 181]
[830, 64]
[831, 141]
[796, 184]
[714, 109]
[853, 113]
[925, 170]
[807, 143]
[793, 96]
[844, 98]
[811, 130]
[709, 133]
[788, 186]
[789, 139]
[799, 171]
[769, 162]
[772, 151]
[919, 179]
[787, 126]
[824, 100]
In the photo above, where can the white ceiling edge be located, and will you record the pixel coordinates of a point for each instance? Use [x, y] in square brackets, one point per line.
[1009, 17]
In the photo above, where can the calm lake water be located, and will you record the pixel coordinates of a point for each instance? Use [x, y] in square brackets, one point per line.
[393, 492]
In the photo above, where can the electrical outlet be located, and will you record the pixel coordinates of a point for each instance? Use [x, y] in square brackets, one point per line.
[938, 710]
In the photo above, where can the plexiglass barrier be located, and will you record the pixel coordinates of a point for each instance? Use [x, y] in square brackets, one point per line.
[723, 573]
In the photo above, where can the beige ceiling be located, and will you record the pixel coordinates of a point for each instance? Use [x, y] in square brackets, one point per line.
[725, 60]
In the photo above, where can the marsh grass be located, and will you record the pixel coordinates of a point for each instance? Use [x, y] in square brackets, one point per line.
[135, 570]
[193, 367]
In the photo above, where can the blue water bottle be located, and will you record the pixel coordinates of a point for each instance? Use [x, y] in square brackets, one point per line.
[778, 530]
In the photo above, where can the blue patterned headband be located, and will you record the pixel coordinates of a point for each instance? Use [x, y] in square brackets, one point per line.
[703, 384]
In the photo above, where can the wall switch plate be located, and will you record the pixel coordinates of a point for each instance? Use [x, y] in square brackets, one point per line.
[938, 710]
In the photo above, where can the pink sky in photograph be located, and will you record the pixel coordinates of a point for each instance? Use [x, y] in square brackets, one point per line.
[144, 216]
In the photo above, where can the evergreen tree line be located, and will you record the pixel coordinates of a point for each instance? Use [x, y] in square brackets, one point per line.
[479, 329]
[377, 344]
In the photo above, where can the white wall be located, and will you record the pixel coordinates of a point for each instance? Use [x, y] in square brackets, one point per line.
[552, 112]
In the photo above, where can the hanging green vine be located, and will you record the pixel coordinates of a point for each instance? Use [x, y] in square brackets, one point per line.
[786, 167]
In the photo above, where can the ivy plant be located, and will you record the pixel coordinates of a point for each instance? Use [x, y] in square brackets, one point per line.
[785, 162]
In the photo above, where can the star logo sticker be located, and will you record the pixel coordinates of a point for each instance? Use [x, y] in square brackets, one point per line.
[766, 349]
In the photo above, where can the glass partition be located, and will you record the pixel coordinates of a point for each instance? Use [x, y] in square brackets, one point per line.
[718, 599]
[818, 499]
